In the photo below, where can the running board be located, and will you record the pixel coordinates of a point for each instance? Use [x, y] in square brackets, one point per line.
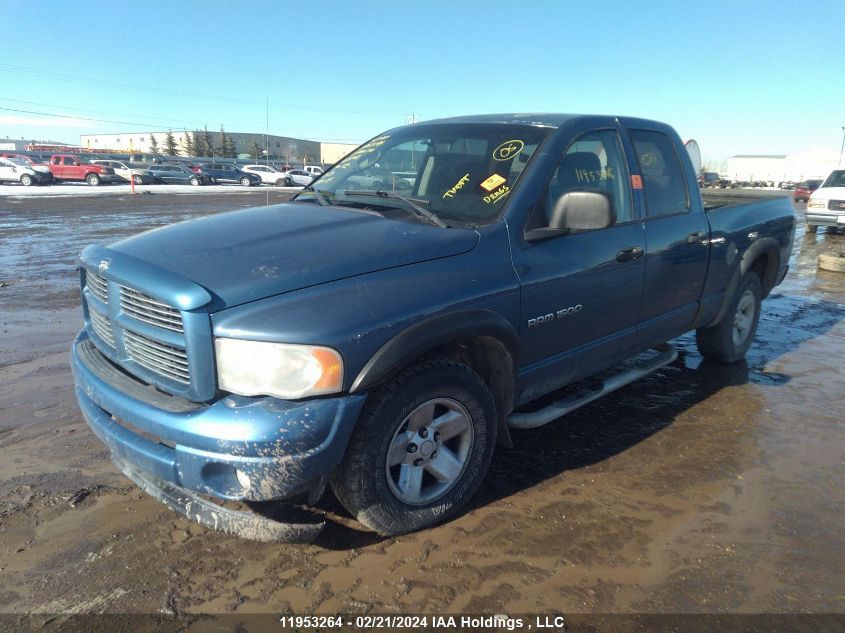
[666, 354]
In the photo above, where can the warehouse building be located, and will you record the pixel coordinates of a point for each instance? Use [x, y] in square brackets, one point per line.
[279, 148]
[781, 167]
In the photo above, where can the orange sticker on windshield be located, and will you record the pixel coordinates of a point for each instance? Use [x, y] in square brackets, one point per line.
[493, 182]
[636, 182]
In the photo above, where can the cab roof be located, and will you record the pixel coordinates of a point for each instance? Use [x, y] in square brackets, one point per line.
[539, 119]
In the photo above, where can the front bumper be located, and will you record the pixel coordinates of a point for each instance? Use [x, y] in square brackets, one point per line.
[284, 448]
[822, 217]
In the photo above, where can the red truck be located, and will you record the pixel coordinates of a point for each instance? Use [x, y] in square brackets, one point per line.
[68, 167]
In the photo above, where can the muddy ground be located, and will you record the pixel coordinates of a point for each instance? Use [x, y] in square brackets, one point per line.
[703, 488]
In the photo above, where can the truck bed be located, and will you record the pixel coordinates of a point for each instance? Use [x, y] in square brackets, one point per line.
[720, 198]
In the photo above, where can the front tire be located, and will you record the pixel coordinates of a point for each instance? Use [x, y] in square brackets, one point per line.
[194, 181]
[420, 450]
[729, 339]
[139, 180]
[26, 180]
[246, 182]
[93, 180]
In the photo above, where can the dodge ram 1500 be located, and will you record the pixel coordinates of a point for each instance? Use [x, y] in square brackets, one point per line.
[384, 340]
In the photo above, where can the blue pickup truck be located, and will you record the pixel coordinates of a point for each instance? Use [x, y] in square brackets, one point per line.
[383, 338]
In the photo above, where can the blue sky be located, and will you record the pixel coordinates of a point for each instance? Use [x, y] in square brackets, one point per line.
[739, 77]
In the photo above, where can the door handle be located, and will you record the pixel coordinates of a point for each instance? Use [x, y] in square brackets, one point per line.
[628, 254]
[692, 238]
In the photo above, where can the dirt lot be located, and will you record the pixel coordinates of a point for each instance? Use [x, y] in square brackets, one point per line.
[703, 488]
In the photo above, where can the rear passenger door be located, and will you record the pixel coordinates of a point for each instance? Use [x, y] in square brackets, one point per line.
[676, 234]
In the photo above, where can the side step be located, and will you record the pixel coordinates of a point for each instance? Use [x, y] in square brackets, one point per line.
[666, 354]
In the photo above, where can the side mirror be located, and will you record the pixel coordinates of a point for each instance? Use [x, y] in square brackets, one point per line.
[583, 211]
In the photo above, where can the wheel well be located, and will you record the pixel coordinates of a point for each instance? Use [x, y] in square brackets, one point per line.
[490, 359]
[766, 267]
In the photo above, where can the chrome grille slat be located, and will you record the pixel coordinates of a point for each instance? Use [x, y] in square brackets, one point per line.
[101, 326]
[157, 356]
[144, 308]
[98, 286]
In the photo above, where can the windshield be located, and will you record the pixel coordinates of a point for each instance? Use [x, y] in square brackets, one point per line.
[462, 173]
[836, 179]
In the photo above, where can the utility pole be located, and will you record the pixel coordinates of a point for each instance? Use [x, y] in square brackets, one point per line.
[267, 134]
[842, 147]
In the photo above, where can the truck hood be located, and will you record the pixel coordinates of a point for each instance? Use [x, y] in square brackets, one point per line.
[252, 254]
[829, 193]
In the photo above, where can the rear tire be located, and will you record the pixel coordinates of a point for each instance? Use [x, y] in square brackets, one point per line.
[435, 424]
[812, 228]
[194, 181]
[729, 339]
[93, 180]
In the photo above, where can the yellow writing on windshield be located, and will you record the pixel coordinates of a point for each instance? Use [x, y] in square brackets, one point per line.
[458, 186]
[497, 195]
[508, 149]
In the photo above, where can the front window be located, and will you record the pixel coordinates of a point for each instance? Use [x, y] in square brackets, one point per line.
[594, 161]
[462, 173]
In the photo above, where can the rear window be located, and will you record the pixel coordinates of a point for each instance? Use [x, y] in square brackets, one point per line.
[662, 174]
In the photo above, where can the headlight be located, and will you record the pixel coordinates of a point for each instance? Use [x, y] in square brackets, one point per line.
[256, 368]
[817, 204]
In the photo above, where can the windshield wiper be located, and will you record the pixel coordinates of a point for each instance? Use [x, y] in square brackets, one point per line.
[414, 204]
[324, 202]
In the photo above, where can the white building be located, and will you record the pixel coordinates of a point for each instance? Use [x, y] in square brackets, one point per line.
[781, 167]
[294, 150]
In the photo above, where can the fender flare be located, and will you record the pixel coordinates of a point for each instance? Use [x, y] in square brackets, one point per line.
[764, 246]
[430, 333]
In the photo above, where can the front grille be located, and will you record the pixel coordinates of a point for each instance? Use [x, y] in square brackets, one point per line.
[163, 359]
[144, 308]
[97, 285]
[101, 326]
[836, 205]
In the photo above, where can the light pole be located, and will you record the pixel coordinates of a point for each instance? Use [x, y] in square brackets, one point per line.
[841, 147]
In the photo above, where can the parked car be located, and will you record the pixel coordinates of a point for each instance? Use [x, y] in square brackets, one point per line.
[269, 175]
[139, 175]
[68, 167]
[314, 170]
[177, 174]
[376, 178]
[32, 163]
[227, 173]
[258, 354]
[804, 190]
[826, 206]
[297, 178]
[12, 170]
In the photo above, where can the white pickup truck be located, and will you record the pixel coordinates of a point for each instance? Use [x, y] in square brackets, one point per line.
[826, 206]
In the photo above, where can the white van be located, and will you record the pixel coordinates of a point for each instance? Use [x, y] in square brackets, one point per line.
[314, 170]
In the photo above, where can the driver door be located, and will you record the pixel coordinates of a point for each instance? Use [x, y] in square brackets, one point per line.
[581, 291]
